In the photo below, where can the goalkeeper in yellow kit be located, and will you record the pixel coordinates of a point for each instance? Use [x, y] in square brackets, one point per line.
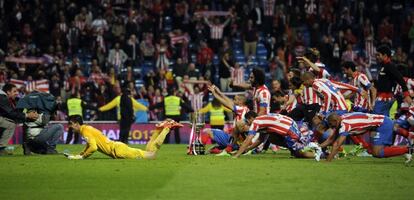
[96, 141]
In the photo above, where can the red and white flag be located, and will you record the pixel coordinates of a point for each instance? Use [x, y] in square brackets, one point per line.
[39, 85]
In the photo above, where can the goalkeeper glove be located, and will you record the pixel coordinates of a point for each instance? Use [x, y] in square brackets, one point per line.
[75, 157]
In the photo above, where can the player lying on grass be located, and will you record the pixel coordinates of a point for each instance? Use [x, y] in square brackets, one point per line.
[325, 137]
[404, 125]
[380, 128]
[96, 141]
[277, 124]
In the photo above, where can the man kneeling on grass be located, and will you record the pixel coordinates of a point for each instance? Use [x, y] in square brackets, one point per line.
[97, 141]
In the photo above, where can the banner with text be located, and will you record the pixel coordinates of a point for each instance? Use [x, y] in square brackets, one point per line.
[139, 134]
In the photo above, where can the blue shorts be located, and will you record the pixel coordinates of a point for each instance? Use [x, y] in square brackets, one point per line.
[339, 112]
[384, 134]
[294, 144]
[359, 109]
[324, 136]
[220, 137]
[383, 107]
[402, 122]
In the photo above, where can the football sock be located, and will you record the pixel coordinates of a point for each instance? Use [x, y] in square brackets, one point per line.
[393, 151]
[152, 139]
[361, 141]
[402, 132]
[156, 144]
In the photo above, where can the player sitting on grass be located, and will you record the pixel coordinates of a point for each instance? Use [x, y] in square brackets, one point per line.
[277, 124]
[96, 141]
[380, 128]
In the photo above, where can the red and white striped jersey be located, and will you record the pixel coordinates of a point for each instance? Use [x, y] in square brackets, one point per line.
[216, 31]
[269, 7]
[292, 105]
[274, 123]
[63, 27]
[333, 100]
[398, 91]
[309, 96]
[240, 111]
[358, 123]
[261, 98]
[323, 73]
[345, 88]
[237, 75]
[361, 81]
[411, 110]
[196, 100]
[410, 85]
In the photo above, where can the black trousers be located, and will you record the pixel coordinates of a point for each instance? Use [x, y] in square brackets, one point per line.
[70, 135]
[177, 137]
[303, 111]
[221, 127]
[124, 129]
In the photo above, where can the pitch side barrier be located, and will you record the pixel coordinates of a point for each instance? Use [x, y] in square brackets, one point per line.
[140, 132]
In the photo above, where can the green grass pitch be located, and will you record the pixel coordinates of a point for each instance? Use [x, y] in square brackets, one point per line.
[175, 175]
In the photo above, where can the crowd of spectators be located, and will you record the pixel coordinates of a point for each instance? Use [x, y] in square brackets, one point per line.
[99, 46]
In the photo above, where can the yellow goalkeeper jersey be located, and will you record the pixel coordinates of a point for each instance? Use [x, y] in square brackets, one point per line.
[96, 141]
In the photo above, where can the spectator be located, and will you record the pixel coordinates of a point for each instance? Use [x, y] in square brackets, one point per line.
[224, 73]
[179, 70]
[256, 15]
[132, 50]
[349, 54]
[73, 37]
[237, 75]
[163, 54]
[226, 49]
[204, 56]
[147, 48]
[385, 30]
[250, 39]
[42, 138]
[99, 24]
[216, 31]
[118, 29]
[117, 58]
